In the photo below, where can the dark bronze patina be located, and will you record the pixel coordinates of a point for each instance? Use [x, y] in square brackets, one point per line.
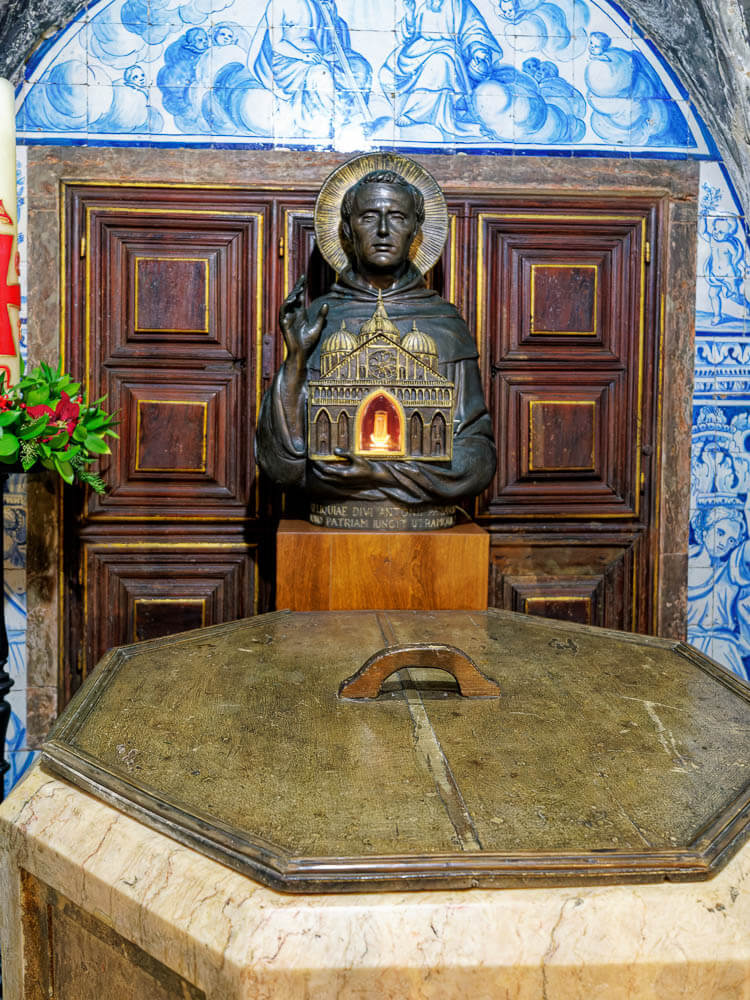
[381, 221]
[607, 757]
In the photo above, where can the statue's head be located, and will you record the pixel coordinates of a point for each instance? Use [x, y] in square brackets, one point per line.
[380, 217]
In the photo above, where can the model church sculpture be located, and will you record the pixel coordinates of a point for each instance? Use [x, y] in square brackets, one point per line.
[380, 394]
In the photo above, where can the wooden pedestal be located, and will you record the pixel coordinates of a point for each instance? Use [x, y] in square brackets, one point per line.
[323, 569]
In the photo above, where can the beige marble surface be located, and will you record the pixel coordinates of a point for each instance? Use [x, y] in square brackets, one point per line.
[235, 939]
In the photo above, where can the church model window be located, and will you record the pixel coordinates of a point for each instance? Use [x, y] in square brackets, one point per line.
[381, 395]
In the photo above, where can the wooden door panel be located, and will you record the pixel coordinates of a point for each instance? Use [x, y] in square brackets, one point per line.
[168, 285]
[135, 590]
[566, 449]
[566, 318]
[577, 578]
[562, 284]
[169, 326]
[179, 453]
[566, 343]
[159, 315]
[300, 251]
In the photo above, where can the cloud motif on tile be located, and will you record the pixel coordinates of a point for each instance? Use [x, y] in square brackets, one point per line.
[629, 103]
[204, 74]
[116, 44]
[59, 102]
[152, 20]
[128, 110]
[199, 11]
[430, 73]
[532, 106]
[557, 30]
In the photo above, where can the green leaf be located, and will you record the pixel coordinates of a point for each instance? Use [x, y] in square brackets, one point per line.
[9, 448]
[65, 469]
[45, 450]
[71, 453]
[38, 395]
[7, 417]
[59, 441]
[35, 428]
[80, 433]
[96, 445]
[98, 422]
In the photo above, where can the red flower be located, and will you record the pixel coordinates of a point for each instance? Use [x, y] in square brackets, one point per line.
[67, 412]
[5, 403]
[39, 410]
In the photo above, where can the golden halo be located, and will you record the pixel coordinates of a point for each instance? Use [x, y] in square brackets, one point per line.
[429, 242]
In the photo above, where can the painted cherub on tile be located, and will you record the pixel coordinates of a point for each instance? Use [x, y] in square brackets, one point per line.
[725, 268]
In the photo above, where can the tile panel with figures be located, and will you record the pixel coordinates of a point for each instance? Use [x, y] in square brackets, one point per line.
[481, 75]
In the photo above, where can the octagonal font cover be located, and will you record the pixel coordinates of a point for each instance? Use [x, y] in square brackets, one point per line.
[574, 755]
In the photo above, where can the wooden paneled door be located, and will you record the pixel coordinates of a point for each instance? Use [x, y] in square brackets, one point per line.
[565, 310]
[167, 296]
[171, 299]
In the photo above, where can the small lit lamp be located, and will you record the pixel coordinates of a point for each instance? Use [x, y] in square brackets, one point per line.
[380, 439]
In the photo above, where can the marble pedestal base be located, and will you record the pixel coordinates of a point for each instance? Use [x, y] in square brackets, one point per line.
[94, 905]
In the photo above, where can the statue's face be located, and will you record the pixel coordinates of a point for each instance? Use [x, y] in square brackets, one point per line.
[383, 224]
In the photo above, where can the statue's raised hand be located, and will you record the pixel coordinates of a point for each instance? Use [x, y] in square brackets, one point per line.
[300, 336]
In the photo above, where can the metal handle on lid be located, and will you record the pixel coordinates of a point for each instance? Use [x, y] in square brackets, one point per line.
[367, 681]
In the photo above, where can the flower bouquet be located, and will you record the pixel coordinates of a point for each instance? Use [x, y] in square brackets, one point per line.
[45, 419]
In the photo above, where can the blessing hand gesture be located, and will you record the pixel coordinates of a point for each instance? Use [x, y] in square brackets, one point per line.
[300, 336]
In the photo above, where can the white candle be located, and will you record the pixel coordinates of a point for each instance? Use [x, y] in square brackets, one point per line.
[10, 286]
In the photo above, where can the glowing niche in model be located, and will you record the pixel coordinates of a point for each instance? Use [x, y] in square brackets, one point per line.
[380, 426]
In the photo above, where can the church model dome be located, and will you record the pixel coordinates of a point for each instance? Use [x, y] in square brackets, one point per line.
[336, 347]
[421, 346]
[379, 325]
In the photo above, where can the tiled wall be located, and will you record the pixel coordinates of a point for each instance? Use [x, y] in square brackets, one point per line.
[719, 572]
[565, 77]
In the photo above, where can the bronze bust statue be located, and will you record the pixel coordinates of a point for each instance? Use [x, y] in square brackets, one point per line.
[390, 228]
